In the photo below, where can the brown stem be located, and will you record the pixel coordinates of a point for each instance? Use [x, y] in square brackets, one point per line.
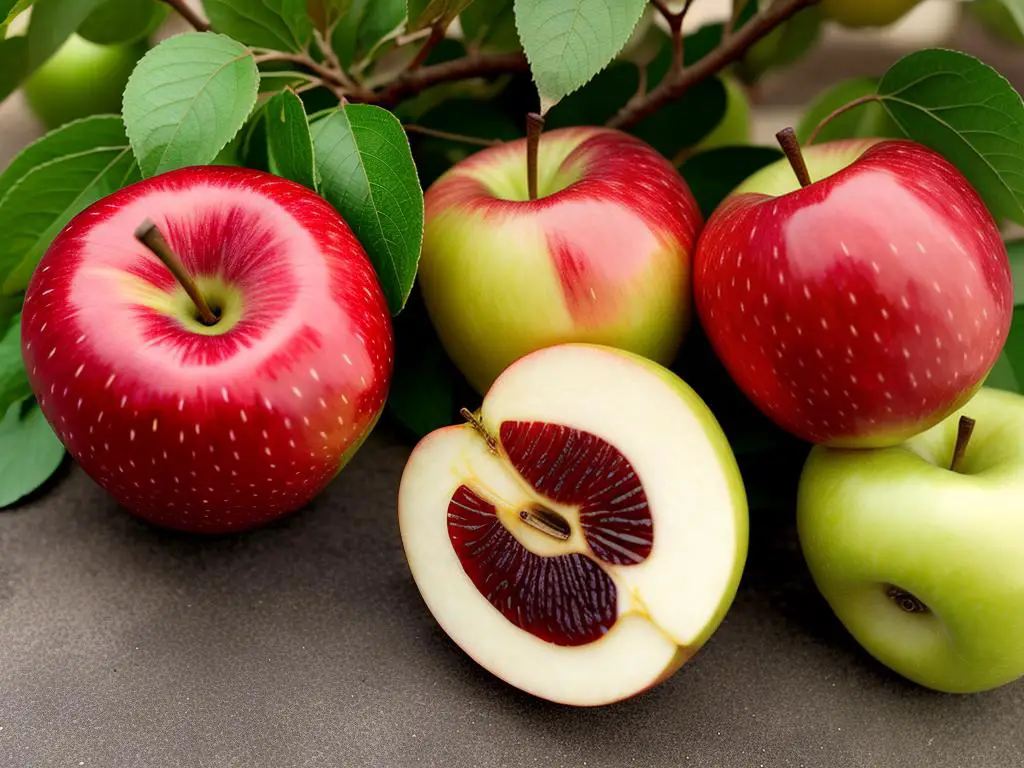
[475, 140]
[150, 236]
[534, 127]
[182, 8]
[964, 430]
[734, 17]
[546, 521]
[675, 85]
[837, 112]
[474, 65]
[791, 148]
[333, 79]
[436, 36]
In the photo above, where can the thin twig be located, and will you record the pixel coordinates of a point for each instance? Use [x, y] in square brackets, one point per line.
[837, 112]
[333, 79]
[436, 36]
[479, 65]
[474, 140]
[182, 8]
[333, 62]
[676, 84]
[734, 17]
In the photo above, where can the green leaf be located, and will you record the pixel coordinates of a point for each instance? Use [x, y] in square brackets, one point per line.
[425, 13]
[864, 121]
[367, 174]
[713, 174]
[491, 25]
[325, 14]
[967, 112]
[69, 139]
[281, 25]
[10, 10]
[123, 21]
[680, 124]
[14, 385]
[1008, 372]
[187, 98]
[289, 143]
[13, 64]
[367, 24]
[422, 396]
[29, 451]
[53, 22]
[567, 42]
[1015, 9]
[41, 203]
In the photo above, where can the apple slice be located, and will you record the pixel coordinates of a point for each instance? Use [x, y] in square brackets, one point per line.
[585, 533]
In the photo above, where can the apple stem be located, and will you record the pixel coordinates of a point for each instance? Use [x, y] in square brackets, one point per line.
[964, 430]
[546, 521]
[478, 425]
[150, 236]
[534, 126]
[791, 147]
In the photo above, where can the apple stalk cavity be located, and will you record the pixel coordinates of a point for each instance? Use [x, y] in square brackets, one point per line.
[579, 542]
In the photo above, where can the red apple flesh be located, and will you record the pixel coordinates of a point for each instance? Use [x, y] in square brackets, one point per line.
[209, 428]
[863, 308]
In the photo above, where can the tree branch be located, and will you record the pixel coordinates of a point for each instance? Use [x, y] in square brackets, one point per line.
[182, 8]
[474, 65]
[675, 84]
[449, 136]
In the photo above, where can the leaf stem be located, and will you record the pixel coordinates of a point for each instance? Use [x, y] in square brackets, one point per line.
[150, 236]
[534, 127]
[183, 9]
[675, 84]
[474, 140]
[841, 110]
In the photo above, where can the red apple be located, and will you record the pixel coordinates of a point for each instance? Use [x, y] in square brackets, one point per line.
[603, 255]
[219, 427]
[860, 309]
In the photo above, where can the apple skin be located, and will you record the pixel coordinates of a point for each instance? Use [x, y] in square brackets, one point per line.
[955, 540]
[735, 126]
[82, 79]
[603, 256]
[871, 304]
[220, 428]
[866, 13]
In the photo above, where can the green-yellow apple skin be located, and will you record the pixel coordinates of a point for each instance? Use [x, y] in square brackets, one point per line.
[734, 129]
[784, 45]
[602, 256]
[897, 517]
[81, 79]
[866, 13]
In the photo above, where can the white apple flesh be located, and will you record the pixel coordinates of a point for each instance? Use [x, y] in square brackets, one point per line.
[920, 563]
[635, 529]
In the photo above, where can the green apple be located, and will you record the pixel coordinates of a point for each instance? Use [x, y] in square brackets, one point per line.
[921, 563]
[866, 13]
[734, 128]
[784, 45]
[81, 79]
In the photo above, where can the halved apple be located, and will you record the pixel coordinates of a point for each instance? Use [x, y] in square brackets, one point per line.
[584, 534]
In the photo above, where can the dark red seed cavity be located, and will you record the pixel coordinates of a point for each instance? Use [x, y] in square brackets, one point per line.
[565, 599]
[580, 469]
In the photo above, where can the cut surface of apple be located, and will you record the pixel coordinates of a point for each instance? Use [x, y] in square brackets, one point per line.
[585, 533]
